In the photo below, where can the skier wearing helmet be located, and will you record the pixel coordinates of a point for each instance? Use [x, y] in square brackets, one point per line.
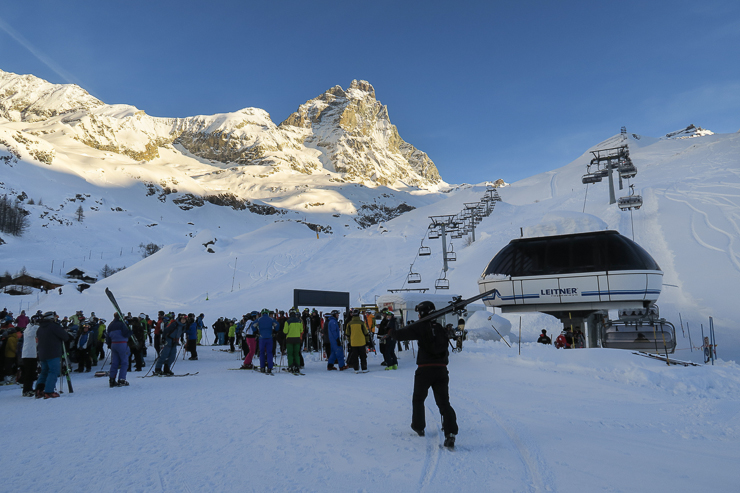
[431, 372]
[266, 326]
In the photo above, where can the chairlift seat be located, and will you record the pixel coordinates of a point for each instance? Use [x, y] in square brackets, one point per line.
[424, 251]
[434, 234]
[590, 178]
[629, 202]
[413, 278]
[442, 284]
[451, 256]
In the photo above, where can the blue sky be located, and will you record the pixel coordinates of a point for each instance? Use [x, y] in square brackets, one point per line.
[488, 89]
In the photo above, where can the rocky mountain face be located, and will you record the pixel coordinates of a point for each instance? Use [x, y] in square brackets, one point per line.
[347, 127]
[346, 132]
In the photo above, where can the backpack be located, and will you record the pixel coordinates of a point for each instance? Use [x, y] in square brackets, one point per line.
[438, 341]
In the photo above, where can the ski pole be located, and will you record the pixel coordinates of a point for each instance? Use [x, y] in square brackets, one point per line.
[502, 337]
[176, 358]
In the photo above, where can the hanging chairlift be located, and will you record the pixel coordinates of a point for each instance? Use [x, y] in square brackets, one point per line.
[627, 170]
[451, 255]
[424, 251]
[434, 234]
[631, 201]
[442, 283]
[590, 178]
[413, 277]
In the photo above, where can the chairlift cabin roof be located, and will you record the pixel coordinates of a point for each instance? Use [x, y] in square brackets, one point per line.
[583, 271]
[596, 251]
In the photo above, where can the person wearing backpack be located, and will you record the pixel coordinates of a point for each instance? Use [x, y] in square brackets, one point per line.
[431, 372]
[357, 334]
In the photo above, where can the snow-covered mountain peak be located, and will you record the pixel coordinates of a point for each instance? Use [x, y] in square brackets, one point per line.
[354, 135]
[26, 98]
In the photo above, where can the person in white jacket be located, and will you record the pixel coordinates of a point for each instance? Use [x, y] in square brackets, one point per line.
[28, 358]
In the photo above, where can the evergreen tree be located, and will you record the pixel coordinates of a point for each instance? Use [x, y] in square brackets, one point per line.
[80, 214]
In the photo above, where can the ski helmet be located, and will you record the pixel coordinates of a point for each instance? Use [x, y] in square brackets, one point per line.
[424, 308]
[265, 311]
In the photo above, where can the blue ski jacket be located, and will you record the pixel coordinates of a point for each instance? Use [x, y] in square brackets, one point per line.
[334, 330]
[266, 326]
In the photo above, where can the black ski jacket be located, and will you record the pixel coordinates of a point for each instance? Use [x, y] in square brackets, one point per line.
[422, 332]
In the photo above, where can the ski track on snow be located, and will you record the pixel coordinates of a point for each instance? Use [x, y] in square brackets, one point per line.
[728, 250]
[431, 461]
[533, 464]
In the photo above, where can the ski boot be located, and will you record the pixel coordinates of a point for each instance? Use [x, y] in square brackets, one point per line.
[167, 372]
[39, 391]
[157, 373]
[330, 367]
[30, 393]
[51, 395]
[419, 431]
[112, 382]
[449, 440]
[345, 367]
[122, 383]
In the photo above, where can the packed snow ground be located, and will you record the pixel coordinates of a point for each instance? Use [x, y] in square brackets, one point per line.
[548, 420]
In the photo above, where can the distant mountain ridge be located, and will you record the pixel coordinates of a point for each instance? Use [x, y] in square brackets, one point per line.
[345, 132]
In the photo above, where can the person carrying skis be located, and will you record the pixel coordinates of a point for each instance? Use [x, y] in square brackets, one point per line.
[266, 326]
[116, 337]
[171, 335]
[357, 334]
[431, 372]
[337, 353]
[50, 336]
[293, 330]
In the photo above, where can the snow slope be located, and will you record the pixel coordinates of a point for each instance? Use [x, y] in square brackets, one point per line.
[548, 420]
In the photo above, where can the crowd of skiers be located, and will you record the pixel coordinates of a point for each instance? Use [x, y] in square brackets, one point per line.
[262, 333]
[34, 349]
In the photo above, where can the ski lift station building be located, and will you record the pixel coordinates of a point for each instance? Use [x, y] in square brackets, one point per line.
[403, 303]
[577, 278]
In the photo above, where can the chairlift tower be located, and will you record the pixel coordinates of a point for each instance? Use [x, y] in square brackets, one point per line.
[472, 212]
[606, 161]
[445, 224]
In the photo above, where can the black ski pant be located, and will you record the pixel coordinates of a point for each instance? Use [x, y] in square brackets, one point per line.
[193, 348]
[157, 343]
[356, 352]
[135, 354]
[84, 362]
[389, 355]
[438, 378]
[29, 373]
